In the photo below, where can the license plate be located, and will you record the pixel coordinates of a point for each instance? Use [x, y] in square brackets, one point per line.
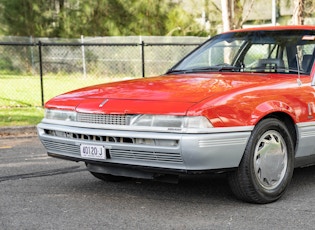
[93, 151]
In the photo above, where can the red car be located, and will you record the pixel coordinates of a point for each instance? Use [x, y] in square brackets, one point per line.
[243, 103]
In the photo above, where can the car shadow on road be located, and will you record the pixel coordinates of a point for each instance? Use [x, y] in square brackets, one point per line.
[191, 188]
[303, 178]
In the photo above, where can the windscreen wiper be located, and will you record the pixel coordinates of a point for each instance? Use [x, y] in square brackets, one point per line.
[205, 69]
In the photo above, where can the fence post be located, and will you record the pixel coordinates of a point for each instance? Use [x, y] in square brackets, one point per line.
[142, 57]
[83, 57]
[41, 71]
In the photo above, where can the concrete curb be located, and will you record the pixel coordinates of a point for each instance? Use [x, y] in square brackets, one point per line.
[17, 131]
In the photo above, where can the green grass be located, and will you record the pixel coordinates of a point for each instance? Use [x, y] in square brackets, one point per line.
[23, 116]
[20, 95]
[17, 91]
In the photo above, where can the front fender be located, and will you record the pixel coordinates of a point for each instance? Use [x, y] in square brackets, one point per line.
[247, 114]
[269, 107]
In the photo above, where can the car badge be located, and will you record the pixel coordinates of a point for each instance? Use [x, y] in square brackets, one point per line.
[103, 103]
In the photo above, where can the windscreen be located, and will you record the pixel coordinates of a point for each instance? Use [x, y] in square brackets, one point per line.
[285, 51]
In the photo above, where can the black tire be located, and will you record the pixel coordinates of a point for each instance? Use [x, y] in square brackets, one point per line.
[267, 165]
[108, 177]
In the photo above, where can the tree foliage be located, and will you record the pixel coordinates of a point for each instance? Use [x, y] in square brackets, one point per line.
[73, 18]
[92, 18]
[149, 16]
[22, 17]
[181, 23]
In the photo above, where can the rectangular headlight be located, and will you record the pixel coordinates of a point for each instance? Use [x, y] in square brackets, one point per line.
[197, 122]
[157, 121]
[171, 121]
[63, 115]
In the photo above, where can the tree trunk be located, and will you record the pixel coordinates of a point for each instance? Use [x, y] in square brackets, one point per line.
[226, 14]
[238, 15]
[298, 9]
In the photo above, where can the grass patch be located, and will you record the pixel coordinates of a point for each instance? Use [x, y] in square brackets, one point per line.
[22, 116]
[25, 90]
[20, 95]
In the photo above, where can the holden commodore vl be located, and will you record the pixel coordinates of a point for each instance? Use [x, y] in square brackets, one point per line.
[242, 103]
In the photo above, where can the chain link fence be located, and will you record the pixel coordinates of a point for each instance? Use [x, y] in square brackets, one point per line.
[34, 70]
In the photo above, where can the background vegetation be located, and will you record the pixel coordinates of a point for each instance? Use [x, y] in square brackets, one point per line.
[74, 18]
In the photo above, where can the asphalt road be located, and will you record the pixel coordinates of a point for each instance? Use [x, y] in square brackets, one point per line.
[39, 192]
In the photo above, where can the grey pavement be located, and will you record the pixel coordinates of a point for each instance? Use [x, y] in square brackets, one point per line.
[40, 192]
[18, 131]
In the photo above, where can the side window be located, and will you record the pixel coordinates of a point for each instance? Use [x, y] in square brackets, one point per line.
[285, 60]
[267, 58]
[256, 52]
[305, 56]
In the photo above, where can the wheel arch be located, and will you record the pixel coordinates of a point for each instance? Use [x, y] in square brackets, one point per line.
[289, 123]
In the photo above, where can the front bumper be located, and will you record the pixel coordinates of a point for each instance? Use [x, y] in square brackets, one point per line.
[153, 150]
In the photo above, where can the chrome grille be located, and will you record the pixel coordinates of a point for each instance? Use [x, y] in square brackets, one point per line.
[60, 147]
[146, 155]
[108, 119]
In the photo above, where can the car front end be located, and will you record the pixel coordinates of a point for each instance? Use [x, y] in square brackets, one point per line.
[243, 103]
[170, 144]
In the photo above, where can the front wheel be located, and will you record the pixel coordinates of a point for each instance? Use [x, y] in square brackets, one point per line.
[267, 165]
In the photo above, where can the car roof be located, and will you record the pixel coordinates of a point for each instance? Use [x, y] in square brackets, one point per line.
[273, 28]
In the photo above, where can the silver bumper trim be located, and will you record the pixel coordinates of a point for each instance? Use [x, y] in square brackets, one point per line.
[197, 151]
